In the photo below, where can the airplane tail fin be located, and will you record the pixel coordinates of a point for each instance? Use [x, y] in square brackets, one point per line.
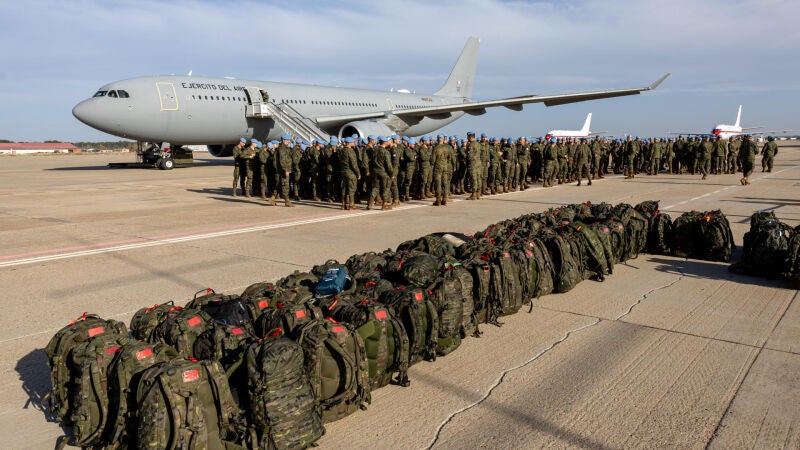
[739, 116]
[459, 84]
[586, 124]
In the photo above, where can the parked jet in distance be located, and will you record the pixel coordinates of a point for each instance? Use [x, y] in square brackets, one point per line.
[582, 133]
[183, 110]
[728, 131]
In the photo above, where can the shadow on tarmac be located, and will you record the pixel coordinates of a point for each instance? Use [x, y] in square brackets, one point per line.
[709, 270]
[32, 370]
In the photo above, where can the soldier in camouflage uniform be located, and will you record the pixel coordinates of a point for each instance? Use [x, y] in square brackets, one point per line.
[382, 171]
[237, 155]
[550, 162]
[487, 162]
[283, 167]
[246, 158]
[523, 163]
[719, 156]
[348, 164]
[443, 161]
[630, 152]
[330, 169]
[408, 164]
[476, 166]
[297, 175]
[425, 169]
[704, 156]
[394, 151]
[731, 156]
[747, 158]
[768, 152]
[583, 156]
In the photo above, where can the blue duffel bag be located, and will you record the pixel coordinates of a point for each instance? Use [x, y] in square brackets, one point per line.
[333, 281]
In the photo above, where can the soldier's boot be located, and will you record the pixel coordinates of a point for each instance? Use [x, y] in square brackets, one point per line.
[234, 192]
[343, 205]
[385, 207]
[352, 205]
[247, 193]
[271, 200]
[396, 203]
[579, 183]
[746, 182]
[369, 204]
[444, 201]
[590, 181]
[471, 196]
[288, 203]
[704, 177]
[263, 194]
[436, 203]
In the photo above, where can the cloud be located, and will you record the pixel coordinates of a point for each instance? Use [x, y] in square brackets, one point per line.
[59, 52]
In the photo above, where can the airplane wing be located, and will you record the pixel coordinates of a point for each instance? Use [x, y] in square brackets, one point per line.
[771, 131]
[595, 133]
[478, 108]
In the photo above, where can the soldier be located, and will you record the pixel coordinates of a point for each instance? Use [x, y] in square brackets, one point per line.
[536, 160]
[631, 150]
[330, 166]
[476, 166]
[523, 163]
[510, 165]
[348, 164]
[382, 171]
[704, 156]
[731, 155]
[246, 172]
[719, 155]
[237, 155]
[656, 152]
[408, 164]
[283, 167]
[444, 162]
[462, 161]
[747, 158]
[487, 162]
[263, 157]
[297, 176]
[669, 157]
[394, 151]
[550, 162]
[583, 154]
[768, 153]
[313, 155]
[596, 162]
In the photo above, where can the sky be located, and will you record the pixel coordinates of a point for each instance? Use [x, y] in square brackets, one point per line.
[721, 53]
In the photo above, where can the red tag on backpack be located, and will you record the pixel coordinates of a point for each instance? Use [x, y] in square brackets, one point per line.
[140, 355]
[96, 331]
[300, 314]
[112, 350]
[507, 255]
[190, 375]
[263, 304]
[237, 331]
[418, 296]
[194, 321]
[380, 314]
[337, 329]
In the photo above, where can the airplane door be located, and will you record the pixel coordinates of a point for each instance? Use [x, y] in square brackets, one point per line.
[166, 94]
[253, 95]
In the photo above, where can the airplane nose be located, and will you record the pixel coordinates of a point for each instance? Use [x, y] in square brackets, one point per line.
[83, 112]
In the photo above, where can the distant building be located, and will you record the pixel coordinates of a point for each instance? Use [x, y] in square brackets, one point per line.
[20, 148]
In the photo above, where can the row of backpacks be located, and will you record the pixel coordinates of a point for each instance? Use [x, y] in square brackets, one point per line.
[770, 249]
[268, 367]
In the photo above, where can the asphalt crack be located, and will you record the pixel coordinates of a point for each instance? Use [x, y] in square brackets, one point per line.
[644, 296]
[500, 381]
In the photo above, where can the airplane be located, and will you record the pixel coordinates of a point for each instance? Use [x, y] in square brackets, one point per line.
[176, 110]
[582, 133]
[728, 131]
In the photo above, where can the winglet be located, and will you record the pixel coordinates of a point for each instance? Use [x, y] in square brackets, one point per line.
[658, 82]
[459, 84]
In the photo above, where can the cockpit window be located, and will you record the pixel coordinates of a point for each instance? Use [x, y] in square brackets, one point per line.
[123, 94]
[112, 94]
[100, 93]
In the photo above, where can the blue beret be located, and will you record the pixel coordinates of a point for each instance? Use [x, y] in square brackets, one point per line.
[243, 140]
[483, 135]
[349, 140]
[253, 141]
[372, 137]
[470, 133]
[394, 136]
[285, 136]
[259, 144]
[334, 141]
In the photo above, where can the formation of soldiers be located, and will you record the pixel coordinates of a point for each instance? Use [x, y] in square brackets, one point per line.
[387, 170]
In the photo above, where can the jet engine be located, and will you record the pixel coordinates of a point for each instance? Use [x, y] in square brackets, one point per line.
[364, 128]
[221, 151]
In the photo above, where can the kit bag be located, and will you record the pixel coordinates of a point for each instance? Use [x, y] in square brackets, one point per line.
[59, 353]
[187, 404]
[282, 410]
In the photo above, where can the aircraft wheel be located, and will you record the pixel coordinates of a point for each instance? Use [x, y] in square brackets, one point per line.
[168, 164]
[160, 163]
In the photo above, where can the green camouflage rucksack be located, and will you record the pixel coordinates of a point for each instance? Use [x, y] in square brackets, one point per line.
[454, 269]
[385, 339]
[336, 365]
[447, 298]
[419, 319]
[792, 263]
[89, 394]
[413, 268]
[123, 381]
[595, 251]
[146, 320]
[59, 353]
[180, 329]
[545, 269]
[187, 404]
[765, 249]
[661, 236]
[282, 408]
[567, 261]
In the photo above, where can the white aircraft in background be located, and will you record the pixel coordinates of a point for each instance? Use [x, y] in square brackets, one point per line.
[582, 133]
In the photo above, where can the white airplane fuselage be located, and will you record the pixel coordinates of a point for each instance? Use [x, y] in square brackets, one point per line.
[195, 110]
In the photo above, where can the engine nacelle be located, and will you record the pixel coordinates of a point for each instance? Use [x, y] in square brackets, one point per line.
[364, 128]
[221, 151]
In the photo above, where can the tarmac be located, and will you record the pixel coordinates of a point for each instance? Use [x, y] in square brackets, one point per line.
[666, 352]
